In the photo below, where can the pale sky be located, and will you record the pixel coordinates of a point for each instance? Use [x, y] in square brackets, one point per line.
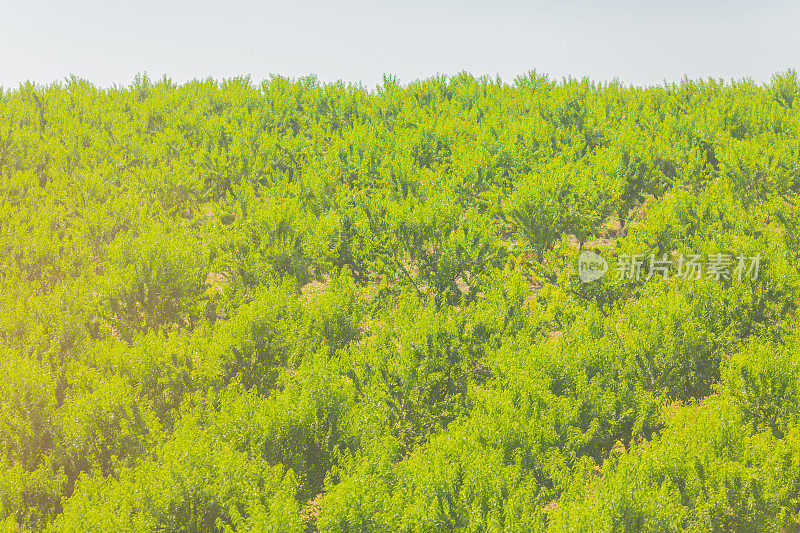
[637, 42]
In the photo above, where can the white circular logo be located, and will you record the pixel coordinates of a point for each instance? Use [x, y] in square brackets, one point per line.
[591, 266]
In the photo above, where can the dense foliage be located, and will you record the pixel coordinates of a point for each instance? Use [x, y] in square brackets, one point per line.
[294, 306]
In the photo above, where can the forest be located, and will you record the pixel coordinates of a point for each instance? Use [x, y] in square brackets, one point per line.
[297, 306]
